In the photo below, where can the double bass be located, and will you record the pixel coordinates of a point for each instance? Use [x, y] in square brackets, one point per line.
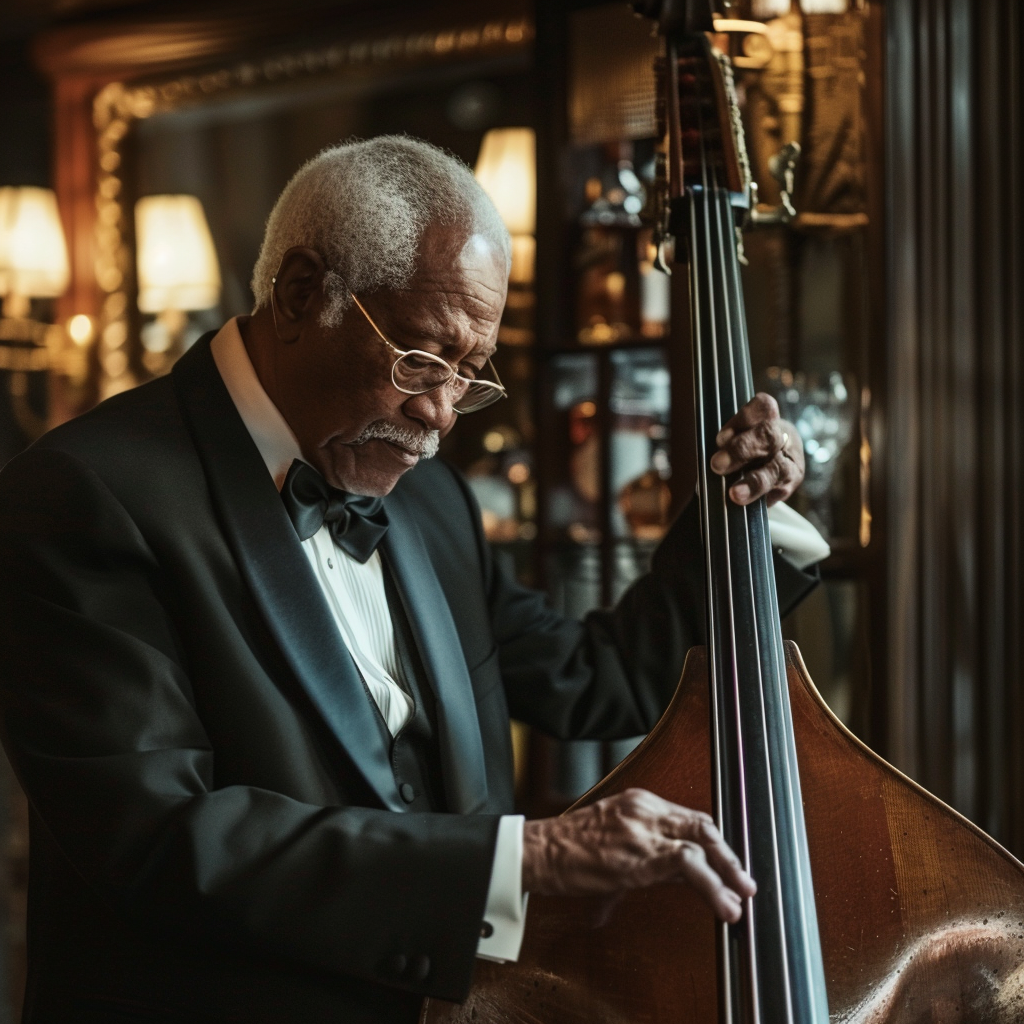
[876, 902]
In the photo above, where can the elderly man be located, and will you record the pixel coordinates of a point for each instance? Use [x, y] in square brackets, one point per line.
[257, 669]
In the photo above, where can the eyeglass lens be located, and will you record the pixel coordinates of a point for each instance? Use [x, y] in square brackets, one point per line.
[416, 374]
[478, 395]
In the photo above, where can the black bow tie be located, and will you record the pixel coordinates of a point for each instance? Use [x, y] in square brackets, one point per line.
[357, 524]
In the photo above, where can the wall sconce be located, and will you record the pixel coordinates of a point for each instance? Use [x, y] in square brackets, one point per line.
[177, 270]
[33, 265]
[507, 170]
[33, 255]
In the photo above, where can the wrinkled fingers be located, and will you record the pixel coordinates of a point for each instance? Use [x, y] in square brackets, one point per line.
[775, 480]
[700, 828]
[695, 870]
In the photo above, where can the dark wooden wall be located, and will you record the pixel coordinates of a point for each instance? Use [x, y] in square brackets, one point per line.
[955, 427]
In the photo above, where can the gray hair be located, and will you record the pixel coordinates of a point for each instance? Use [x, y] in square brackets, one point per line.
[363, 206]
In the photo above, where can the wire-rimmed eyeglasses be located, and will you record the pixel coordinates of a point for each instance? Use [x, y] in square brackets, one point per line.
[415, 372]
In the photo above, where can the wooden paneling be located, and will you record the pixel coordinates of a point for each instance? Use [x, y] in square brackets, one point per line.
[955, 424]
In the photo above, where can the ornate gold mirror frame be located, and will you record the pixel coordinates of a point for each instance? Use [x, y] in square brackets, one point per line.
[119, 105]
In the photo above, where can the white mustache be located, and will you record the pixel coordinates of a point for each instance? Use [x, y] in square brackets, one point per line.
[423, 443]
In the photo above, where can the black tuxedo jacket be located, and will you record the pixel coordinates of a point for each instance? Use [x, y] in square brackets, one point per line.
[215, 828]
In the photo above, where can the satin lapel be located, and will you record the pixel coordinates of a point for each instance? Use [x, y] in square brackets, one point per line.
[430, 619]
[275, 568]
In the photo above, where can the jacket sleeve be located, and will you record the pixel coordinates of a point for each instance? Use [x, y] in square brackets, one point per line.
[613, 674]
[101, 724]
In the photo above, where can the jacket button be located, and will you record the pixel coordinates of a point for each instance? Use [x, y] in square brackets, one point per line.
[486, 930]
[407, 792]
[419, 967]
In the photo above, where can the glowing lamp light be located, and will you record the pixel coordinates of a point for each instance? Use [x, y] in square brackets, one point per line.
[507, 170]
[765, 10]
[33, 254]
[81, 329]
[825, 6]
[176, 261]
[768, 9]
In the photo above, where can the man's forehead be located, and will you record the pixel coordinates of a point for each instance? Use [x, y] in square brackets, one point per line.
[440, 304]
[450, 254]
[458, 322]
[477, 247]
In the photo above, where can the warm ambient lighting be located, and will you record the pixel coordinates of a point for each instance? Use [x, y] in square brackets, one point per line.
[506, 167]
[507, 170]
[81, 329]
[825, 6]
[177, 264]
[768, 9]
[33, 256]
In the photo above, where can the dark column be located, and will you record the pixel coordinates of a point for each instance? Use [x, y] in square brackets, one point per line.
[955, 431]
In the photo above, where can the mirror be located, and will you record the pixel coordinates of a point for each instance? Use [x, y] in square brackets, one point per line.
[233, 138]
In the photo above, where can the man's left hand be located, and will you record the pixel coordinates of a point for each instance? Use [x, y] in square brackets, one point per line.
[765, 448]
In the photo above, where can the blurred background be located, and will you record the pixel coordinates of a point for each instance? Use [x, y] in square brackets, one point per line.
[142, 146]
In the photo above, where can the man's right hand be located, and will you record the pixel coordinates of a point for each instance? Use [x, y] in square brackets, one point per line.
[629, 841]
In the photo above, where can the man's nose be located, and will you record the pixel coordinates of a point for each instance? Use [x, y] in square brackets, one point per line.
[434, 409]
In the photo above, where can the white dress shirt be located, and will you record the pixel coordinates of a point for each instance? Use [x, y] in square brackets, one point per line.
[355, 594]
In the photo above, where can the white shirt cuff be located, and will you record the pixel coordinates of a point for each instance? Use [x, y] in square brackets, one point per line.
[501, 933]
[795, 537]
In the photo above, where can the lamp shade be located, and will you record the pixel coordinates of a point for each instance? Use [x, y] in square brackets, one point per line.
[825, 6]
[764, 10]
[507, 170]
[33, 255]
[176, 261]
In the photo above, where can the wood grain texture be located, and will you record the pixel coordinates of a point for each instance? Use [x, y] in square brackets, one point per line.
[920, 912]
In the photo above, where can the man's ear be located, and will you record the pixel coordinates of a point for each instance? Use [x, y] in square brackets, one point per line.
[297, 291]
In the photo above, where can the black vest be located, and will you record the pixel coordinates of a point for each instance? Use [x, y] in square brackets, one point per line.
[415, 755]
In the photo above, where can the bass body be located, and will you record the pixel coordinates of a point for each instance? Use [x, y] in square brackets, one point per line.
[921, 915]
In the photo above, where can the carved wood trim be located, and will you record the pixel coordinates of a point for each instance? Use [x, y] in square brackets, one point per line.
[128, 47]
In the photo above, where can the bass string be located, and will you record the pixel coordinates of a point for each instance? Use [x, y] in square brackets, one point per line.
[725, 388]
[703, 493]
[784, 764]
[783, 774]
[719, 482]
[722, 931]
[723, 236]
[722, 509]
[741, 541]
[727, 1009]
